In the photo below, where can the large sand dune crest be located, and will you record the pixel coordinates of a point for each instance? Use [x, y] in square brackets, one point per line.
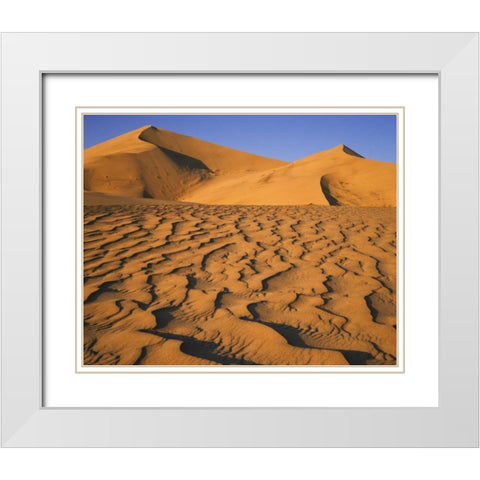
[215, 157]
[153, 163]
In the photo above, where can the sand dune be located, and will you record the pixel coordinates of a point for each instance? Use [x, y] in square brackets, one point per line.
[155, 163]
[196, 254]
[128, 166]
[332, 177]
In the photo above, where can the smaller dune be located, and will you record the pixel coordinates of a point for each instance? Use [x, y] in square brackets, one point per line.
[338, 176]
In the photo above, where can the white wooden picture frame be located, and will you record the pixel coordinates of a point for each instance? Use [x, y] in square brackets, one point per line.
[26, 58]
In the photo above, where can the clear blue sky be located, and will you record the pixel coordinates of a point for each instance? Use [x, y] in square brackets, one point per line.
[285, 137]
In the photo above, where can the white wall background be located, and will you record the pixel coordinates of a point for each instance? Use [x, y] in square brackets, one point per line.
[240, 16]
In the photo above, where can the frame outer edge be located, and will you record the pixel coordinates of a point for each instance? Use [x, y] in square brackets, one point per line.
[24, 423]
[459, 233]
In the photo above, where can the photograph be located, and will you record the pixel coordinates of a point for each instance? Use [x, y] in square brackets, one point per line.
[239, 239]
[257, 240]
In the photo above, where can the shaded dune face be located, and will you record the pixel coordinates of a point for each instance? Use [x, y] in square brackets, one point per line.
[198, 254]
[155, 163]
[128, 166]
[215, 157]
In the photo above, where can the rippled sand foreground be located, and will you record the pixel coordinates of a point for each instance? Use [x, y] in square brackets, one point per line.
[191, 284]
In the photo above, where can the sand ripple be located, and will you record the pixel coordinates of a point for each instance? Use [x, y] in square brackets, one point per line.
[180, 284]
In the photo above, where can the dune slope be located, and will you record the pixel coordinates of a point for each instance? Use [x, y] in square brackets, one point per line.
[153, 163]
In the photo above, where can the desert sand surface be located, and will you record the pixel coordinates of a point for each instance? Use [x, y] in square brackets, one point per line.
[197, 254]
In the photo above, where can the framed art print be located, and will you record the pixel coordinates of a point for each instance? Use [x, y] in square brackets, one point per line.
[203, 249]
[229, 260]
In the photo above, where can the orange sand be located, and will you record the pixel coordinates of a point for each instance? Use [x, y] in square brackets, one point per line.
[199, 254]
